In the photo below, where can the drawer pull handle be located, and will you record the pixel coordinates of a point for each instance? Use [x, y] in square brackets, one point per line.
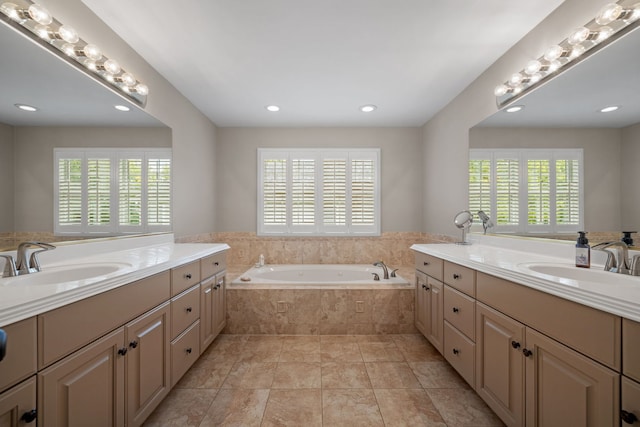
[29, 416]
[527, 352]
[216, 263]
[189, 350]
[122, 351]
[188, 276]
[515, 344]
[424, 286]
[456, 351]
[189, 309]
[455, 309]
[133, 344]
[456, 276]
[425, 263]
[628, 417]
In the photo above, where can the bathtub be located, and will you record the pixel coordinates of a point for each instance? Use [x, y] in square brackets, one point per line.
[317, 276]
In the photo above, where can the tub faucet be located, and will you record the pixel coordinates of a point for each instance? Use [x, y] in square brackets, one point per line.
[617, 257]
[10, 269]
[32, 265]
[384, 268]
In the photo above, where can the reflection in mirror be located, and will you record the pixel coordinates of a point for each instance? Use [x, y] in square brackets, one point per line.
[565, 113]
[73, 110]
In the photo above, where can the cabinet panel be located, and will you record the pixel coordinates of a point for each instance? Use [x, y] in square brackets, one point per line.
[435, 305]
[185, 309]
[148, 368]
[429, 265]
[20, 360]
[184, 277]
[630, 402]
[18, 402]
[459, 310]
[461, 278]
[500, 364]
[185, 350]
[86, 388]
[213, 264]
[565, 388]
[590, 331]
[631, 349]
[460, 352]
[206, 312]
[422, 303]
[220, 304]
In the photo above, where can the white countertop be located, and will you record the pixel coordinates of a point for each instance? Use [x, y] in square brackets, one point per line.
[140, 258]
[506, 259]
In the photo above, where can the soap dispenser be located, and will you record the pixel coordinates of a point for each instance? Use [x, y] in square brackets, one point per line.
[583, 251]
[626, 237]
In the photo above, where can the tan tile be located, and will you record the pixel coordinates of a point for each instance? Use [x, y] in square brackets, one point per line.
[350, 408]
[334, 306]
[407, 408]
[364, 338]
[293, 408]
[391, 375]
[301, 349]
[292, 375]
[437, 375]
[416, 348]
[237, 408]
[326, 328]
[339, 338]
[206, 373]
[462, 407]
[182, 408]
[250, 375]
[340, 352]
[345, 375]
[380, 352]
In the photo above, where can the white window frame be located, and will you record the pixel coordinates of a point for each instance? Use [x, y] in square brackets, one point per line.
[318, 228]
[523, 155]
[114, 155]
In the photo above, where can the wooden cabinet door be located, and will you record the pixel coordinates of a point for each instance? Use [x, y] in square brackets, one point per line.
[565, 388]
[500, 364]
[206, 313]
[220, 305]
[435, 314]
[422, 305]
[630, 402]
[147, 363]
[18, 404]
[86, 388]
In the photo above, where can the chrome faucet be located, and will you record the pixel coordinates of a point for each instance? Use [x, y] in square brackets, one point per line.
[10, 269]
[617, 257]
[384, 268]
[32, 265]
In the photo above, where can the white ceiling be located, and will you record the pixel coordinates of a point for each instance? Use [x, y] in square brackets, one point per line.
[320, 60]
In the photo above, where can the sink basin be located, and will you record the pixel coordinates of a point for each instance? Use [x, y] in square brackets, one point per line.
[570, 274]
[89, 273]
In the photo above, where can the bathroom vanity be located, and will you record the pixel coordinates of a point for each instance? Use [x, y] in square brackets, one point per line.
[538, 349]
[108, 352]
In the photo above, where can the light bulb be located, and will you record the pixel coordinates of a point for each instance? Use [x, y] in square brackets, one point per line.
[91, 64]
[500, 90]
[533, 67]
[609, 13]
[515, 79]
[40, 14]
[517, 90]
[577, 51]
[112, 66]
[142, 89]
[535, 78]
[43, 32]
[554, 66]
[553, 53]
[92, 51]
[68, 34]
[11, 10]
[128, 79]
[368, 108]
[578, 36]
[604, 33]
[635, 15]
[69, 49]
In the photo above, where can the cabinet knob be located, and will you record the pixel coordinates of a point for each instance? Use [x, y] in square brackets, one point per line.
[424, 286]
[216, 263]
[455, 309]
[29, 416]
[628, 417]
[189, 350]
[527, 352]
[122, 351]
[456, 276]
[187, 276]
[189, 309]
[515, 344]
[456, 351]
[133, 344]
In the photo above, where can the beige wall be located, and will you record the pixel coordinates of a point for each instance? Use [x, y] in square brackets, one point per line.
[401, 176]
[602, 195]
[6, 178]
[446, 136]
[629, 168]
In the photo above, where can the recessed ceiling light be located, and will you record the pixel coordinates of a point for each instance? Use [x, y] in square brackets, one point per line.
[272, 108]
[122, 108]
[25, 107]
[368, 108]
[514, 109]
[609, 109]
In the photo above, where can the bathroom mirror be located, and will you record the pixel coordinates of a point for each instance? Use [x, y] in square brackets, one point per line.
[565, 113]
[73, 110]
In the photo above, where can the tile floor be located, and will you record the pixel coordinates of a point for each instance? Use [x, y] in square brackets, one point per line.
[326, 380]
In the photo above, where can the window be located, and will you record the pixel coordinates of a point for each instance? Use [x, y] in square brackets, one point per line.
[528, 191]
[318, 192]
[114, 191]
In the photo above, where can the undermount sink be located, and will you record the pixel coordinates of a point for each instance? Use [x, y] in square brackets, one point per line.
[577, 274]
[67, 273]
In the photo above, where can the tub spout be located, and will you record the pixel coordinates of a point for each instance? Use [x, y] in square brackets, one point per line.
[384, 268]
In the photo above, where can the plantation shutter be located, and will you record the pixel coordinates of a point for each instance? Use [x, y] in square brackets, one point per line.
[158, 192]
[507, 171]
[273, 193]
[334, 194]
[130, 191]
[303, 195]
[98, 191]
[480, 185]
[538, 192]
[568, 206]
[362, 192]
[69, 190]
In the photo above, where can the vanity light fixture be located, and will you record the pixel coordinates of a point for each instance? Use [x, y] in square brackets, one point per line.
[35, 21]
[612, 21]
[368, 108]
[609, 109]
[25, 107]
[272, 108]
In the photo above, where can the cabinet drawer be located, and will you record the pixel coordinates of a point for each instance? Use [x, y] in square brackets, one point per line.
[429, 265]
[585, 329]
[213, 264]
[631, 349]
[62, 331]
[185, 350]
[460, 353]
[185, 309]
[17, 401]
[459, 310]
[20, 360]
[461, 278]
[184, 277]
